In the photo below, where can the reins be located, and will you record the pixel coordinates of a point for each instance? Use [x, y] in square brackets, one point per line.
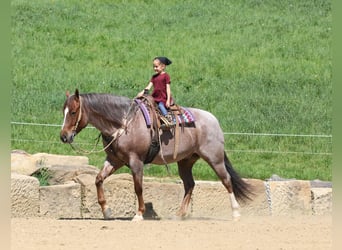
[115, 136]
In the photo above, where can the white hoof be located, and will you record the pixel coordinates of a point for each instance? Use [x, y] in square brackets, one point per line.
[138, 218]
[107, 213]
[236, 215]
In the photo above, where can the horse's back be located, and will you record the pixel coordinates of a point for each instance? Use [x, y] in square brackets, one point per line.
[206, 127]
[205, 119]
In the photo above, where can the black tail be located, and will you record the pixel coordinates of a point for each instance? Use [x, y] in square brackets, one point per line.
[241, 189]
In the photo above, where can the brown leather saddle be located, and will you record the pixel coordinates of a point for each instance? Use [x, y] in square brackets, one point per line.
[158, 121]
[164, 122]
[169, 121]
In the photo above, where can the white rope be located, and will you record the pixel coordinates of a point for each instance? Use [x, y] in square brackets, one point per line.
[41, 124]
[268, 134]
[226, 133]
[277, 152]
[229, 150]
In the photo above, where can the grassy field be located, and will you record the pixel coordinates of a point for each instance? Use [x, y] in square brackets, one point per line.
[258, 66]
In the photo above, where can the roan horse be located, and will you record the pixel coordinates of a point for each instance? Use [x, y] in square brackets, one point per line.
[127, 140]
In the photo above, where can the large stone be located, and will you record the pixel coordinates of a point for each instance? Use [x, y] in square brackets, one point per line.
[119, 193]
[22, 163]
[24, 196]
[258, 205]
[27, 164]
[162, 200]
[61, 201]
[321, 184]
[277, 196]
[90, 207]
[60, 174]
[119, 190]
[45, 160]
[210, 200]
[289, 197]
[321, 201]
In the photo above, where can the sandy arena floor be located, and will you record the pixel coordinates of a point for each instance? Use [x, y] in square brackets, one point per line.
[305, 232]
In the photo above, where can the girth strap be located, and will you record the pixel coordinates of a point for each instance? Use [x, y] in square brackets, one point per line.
[155, 140]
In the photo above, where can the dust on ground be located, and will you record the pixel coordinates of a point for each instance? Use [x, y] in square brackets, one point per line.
[250, 232]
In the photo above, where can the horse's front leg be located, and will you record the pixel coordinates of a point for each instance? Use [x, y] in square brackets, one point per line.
[137, 172]
[106, 171]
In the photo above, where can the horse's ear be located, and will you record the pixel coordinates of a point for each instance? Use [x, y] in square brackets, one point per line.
[77, 94]
[67, 93]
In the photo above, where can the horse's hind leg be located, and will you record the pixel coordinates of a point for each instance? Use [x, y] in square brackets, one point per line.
[185, 172]
[106, 171]
[227, 183]
[219, 166]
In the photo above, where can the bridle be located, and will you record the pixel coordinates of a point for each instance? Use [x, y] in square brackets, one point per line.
[79, 116]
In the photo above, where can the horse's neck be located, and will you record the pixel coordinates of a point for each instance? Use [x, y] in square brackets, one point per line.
[107, 119]
[106, 126]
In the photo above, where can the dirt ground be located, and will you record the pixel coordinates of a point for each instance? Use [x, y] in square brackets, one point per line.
[262, 232]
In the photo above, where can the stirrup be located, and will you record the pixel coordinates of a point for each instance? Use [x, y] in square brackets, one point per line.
[167, 122]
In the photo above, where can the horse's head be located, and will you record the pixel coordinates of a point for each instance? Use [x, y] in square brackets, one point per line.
[74, 117]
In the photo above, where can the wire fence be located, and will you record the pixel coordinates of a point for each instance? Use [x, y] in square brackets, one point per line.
[327, 137]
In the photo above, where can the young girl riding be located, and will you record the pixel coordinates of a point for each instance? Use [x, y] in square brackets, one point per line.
[161, 85]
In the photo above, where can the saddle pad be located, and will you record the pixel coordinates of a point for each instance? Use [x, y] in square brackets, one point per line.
[185, 118]
[144, 110]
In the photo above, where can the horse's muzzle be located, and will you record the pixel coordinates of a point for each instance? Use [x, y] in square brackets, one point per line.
[67, 137]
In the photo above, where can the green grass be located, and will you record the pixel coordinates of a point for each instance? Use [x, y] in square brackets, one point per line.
[43, 176]
[258, 66]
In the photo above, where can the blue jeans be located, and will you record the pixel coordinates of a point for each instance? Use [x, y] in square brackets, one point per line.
[162, 108]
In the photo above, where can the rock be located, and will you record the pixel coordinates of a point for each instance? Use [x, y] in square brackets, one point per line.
[72, 193]
[321, 201]
[27, 164]
[119, 194]
[275, 177]
[162, 200]
[211, 200]
[46, 160]
[85, 179]
[60, 174]
[258, 205]
[89, 204]
[61, 201]
[24, 196]
[121, 198]
[289, 197]
[320, 184]
[22, 163]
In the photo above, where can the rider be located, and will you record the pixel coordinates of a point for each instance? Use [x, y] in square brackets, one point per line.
[161, 85]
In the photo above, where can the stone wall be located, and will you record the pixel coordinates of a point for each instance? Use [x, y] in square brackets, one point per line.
[72, 193]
